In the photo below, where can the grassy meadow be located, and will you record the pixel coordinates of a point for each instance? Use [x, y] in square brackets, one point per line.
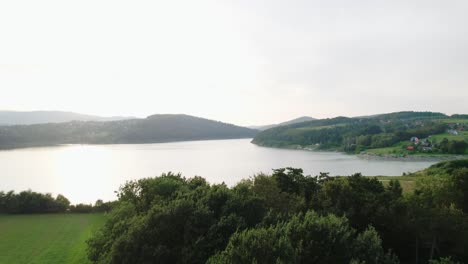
[399, 148]
[46, 238]
[408, 183]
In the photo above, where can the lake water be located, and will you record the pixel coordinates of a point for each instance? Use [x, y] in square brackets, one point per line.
[85, 173]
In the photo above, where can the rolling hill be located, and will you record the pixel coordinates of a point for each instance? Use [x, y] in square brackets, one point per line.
[400, 133]
[153, 129]
[293, 121]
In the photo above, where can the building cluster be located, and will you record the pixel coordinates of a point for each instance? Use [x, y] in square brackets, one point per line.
[423, 144]
[456, 128]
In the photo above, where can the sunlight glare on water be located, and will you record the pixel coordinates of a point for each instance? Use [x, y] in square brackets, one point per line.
[85, 173]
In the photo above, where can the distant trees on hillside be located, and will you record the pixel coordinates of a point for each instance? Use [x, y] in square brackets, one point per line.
[354, 135]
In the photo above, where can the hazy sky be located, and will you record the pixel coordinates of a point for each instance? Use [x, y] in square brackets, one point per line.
[244, 62]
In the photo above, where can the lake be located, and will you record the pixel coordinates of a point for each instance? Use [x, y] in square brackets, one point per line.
[85, 173]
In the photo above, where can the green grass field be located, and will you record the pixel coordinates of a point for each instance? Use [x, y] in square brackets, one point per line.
[395, 149]
[408, 183]
[463, 135]
[454, 120]
[399, 148]
[50, 238]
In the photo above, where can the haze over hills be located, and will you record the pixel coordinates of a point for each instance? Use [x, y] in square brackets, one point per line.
[42, 117]
[153, 129]
[293, 121]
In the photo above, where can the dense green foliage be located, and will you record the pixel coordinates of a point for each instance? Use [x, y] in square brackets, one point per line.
[459, 116]
[287, 217]
[46, 238]
[156, 128]
[446, 167]
[98, 207]
[358, 134]
[308, 238]
[29, 202]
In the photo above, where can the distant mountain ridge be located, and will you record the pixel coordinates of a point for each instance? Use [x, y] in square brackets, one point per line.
[43, 117]
[293, 121]
[153, 129]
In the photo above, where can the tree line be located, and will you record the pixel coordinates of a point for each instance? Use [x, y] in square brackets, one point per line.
[29, 202]
[287, 217]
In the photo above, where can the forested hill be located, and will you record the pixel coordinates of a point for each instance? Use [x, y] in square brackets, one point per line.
[156, 128]
[393, 133]
[293, 121]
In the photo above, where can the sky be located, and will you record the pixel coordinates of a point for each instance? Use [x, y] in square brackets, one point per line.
[243, 62]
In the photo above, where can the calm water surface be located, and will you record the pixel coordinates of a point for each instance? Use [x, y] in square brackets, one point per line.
[85, 173]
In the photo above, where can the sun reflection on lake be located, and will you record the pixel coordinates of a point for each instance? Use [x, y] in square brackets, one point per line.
[85, 173]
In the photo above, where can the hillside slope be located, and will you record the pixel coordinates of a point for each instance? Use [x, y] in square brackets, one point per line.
[293, 121]
[431, 133]
[156, 128]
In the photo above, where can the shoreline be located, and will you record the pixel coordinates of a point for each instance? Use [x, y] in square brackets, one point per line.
[372, 156]
[393, 157]
[45, 145]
